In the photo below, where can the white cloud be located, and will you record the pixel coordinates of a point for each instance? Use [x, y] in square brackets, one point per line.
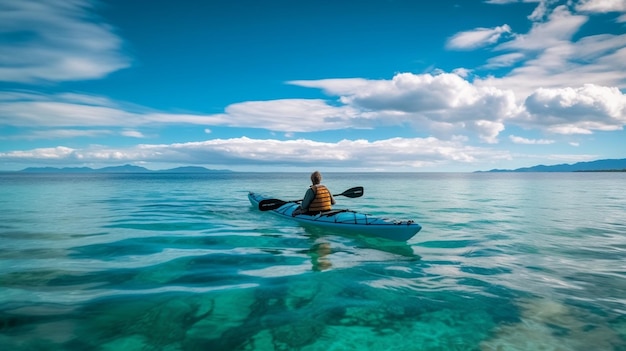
[548, 58]
[561, 26]
[132, 134]
[505, 60]
[542, 9]
[520, 140]
[601, 6]
[395, 153]
[293, 115]
[61, 153]
[64, 110]
[462, 72]
[56, 41]
[443, 103]
[576, 111]
[478, 37]
[58, 134]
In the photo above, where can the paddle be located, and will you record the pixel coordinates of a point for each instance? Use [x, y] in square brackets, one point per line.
[272, 204]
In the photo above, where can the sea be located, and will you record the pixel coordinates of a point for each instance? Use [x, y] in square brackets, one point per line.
[166, 261]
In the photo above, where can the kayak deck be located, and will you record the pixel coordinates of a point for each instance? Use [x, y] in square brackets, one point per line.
[348, 220]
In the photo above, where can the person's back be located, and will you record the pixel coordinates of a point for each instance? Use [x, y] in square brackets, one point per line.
[317, 198]
[322, 201]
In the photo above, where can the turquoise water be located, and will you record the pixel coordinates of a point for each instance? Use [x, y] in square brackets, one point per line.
[183, 262]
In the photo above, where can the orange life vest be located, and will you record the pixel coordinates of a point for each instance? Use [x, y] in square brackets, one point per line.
[321, 202]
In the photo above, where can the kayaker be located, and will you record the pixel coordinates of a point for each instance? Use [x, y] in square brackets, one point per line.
[317, 198]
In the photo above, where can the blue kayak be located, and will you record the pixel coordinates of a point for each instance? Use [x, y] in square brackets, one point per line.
[347, 220]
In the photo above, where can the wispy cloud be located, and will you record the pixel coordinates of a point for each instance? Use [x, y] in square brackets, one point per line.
[61, 110]
[58, 134]
[478, 37]
[526, 141]
[549, 57]
[560, 26]
[56, 41]
[132, 134]
[506, 60]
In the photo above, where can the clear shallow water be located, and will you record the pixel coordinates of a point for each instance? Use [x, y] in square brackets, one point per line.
[183, 262]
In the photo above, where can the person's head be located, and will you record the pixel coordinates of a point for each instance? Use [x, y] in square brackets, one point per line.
[316, 177]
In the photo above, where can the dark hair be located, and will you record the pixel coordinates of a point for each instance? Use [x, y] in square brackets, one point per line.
[316, 177]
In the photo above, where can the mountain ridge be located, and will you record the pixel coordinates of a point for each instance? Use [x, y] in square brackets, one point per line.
[606, 165]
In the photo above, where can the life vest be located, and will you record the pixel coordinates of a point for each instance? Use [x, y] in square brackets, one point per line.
[321, 202]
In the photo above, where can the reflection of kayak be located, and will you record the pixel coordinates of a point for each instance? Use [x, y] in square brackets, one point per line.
[347, 220]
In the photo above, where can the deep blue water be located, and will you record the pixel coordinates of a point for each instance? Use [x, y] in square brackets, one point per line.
[183, 262]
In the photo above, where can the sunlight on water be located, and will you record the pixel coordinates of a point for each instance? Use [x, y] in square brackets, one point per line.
[183, 262]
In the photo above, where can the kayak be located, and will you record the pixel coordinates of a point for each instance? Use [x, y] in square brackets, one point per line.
[344, 219]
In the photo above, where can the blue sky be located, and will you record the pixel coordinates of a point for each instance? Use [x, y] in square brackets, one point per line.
[386, 85]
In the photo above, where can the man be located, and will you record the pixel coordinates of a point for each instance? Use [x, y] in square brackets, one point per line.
[317, 198]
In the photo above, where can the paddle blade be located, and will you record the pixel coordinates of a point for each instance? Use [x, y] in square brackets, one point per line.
[357, 191]
[270, 204]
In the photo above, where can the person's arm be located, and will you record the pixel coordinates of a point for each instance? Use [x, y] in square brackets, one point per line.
[308, 198]
[332, 199]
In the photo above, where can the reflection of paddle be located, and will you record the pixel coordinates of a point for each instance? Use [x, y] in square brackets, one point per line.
[272, 204]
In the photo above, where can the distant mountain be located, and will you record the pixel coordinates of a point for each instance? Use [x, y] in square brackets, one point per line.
[616, 165]
[119, 169]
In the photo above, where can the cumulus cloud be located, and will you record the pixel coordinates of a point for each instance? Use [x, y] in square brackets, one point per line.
[576, 110]
[601, 6]
[394, 153]
[443, 102]
[477, 38]
[56, 41]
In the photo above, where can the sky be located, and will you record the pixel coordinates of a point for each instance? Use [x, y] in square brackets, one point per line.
[283, 85]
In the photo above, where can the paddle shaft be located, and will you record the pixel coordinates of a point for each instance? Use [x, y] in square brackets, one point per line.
[272, 204]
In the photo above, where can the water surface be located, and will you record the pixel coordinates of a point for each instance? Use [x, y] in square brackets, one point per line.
[183, 262]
